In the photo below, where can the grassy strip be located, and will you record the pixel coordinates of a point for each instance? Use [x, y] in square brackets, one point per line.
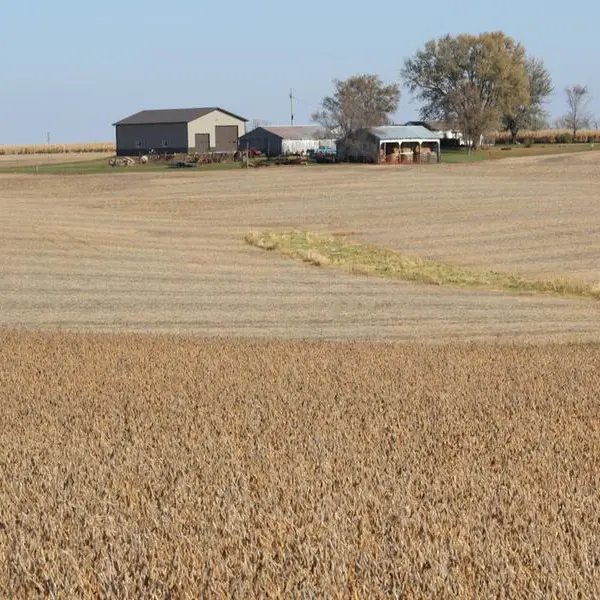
[102, 166]
[499, 152]
[338, 252]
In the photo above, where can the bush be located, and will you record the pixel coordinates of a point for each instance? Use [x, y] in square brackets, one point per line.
[528, 142]
[564, 138]
[449, 144]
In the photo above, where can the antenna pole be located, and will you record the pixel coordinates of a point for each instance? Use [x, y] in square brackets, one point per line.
[292, 107]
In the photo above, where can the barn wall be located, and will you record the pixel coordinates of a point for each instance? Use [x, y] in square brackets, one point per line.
[303, 146]
[208, 124]
[263, 140]
[133, 140]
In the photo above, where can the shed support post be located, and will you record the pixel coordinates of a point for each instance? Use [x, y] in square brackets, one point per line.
[420, 152]
[439, 151]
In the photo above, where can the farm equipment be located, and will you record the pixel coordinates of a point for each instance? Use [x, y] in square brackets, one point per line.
[121, 161]
[182, 164]
[324, 155]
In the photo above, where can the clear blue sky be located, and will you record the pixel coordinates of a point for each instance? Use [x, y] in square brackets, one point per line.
[72, 67]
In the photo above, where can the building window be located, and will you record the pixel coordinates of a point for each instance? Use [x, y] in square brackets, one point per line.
[165, 143]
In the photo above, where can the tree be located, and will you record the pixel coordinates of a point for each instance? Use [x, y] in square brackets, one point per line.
[256, 123]
[530, 115]
[577, 116]
[359, 102]
[469, 79]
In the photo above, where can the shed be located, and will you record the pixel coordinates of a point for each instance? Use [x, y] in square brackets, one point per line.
[293, 139]
[391, 144]
[182, 130]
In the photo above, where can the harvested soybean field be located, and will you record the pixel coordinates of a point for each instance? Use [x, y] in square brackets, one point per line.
[187, 416]
[164, 252]
[140, 466]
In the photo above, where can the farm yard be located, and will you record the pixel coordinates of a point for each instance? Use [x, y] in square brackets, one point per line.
[186, 415]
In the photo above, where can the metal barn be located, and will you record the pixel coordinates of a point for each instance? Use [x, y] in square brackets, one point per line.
[294, 139]
[185, 130]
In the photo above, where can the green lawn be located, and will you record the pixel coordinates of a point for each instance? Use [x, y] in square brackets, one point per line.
[448, 156]
[102, 166]
[498, 152]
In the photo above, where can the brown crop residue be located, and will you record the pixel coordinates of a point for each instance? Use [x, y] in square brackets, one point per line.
[165, 467]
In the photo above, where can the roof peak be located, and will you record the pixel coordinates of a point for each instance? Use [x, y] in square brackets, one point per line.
[172, 115]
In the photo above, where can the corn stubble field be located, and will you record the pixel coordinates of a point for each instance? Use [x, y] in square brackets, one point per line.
[254, 456]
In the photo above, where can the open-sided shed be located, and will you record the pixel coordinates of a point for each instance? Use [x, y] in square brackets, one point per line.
[391, 144]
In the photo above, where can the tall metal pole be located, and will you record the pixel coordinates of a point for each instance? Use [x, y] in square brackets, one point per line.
[292, 107]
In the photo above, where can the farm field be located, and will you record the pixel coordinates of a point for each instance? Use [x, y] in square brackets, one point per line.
[31, 160]
[187, 416]
[170, 467]
[164, 252]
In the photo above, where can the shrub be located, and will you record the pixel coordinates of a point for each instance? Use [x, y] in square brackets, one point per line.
[564, 138]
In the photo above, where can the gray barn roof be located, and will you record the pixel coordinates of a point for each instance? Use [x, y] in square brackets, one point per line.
[403, 132]
[176, 115]
[297, 132]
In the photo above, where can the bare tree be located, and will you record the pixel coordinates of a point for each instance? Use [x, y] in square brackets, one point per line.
[577, 116]
[359, 102]
[256, 123]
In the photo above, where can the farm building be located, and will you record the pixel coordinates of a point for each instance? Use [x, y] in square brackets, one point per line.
[392, 144]
[295, 139]
[184, 130]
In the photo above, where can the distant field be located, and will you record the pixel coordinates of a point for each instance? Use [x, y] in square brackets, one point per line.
[158, 467]
[164, 251]
[17, 161]
[79, 148]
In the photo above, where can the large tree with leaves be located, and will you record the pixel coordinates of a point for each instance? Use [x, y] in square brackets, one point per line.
[469, 79]
[359, 102]
[528, 115]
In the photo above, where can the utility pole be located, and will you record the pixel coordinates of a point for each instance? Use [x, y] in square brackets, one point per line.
[292, 107]
[48, 138]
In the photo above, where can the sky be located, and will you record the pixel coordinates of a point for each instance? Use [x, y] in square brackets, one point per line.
[71, 68]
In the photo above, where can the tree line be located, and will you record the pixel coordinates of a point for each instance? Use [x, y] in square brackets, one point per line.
[481, 83]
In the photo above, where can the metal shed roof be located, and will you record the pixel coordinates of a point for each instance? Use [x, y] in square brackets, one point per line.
[435, 125]
[297, 132]
[403, 132]
[171, 115]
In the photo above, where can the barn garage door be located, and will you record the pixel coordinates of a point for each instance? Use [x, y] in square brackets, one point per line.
[202, 143]
[227, 138]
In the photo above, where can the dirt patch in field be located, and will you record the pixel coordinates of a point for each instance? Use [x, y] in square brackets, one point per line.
[137, 467]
